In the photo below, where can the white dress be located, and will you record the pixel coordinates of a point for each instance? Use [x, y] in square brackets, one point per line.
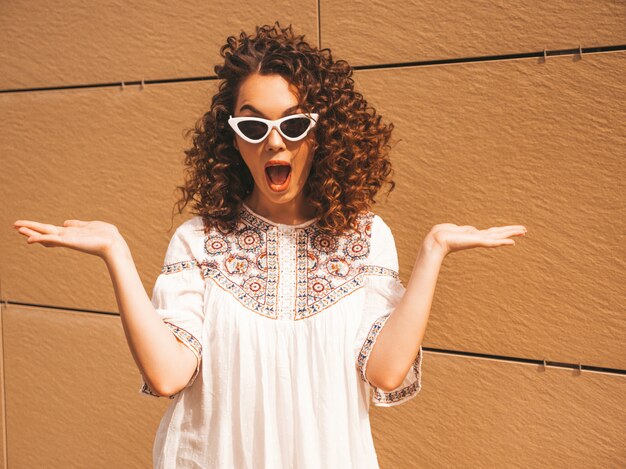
[282, 319]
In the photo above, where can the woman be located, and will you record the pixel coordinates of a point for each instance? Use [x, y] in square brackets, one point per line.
[262, 324]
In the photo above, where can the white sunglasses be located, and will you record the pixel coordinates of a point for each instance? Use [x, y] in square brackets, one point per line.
[256, 129]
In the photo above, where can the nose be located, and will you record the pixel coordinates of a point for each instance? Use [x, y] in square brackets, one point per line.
[275, 141]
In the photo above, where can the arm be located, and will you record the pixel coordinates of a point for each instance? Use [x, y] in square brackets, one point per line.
[398, 342]
[165, 363]
[156, 350]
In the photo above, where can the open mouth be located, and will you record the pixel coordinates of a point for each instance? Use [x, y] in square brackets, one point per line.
[278, 175]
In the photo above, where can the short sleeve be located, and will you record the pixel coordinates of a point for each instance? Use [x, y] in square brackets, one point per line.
[383, 291]
[178, 297]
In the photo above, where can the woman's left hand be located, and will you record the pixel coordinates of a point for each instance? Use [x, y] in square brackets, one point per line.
[448, 237]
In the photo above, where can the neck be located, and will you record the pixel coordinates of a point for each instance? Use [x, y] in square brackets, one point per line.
[293, 212]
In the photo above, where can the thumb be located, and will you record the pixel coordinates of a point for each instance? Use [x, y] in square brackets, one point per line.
[73, 223]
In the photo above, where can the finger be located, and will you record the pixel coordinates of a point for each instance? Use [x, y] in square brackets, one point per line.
[504, 231]
[512, 232]
[18, 223]
[494, 243]
[46, 240]
[27, 231]
[519, 233]
[40, 227]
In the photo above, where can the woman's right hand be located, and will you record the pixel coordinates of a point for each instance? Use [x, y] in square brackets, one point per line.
[92, 237]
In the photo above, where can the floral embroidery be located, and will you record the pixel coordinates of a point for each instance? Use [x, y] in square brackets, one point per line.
[249, 240]
[356, 248]
[216, 245]
[255, 286]
[324, 243]
[286, 273]
[338, 266]
[319, 287]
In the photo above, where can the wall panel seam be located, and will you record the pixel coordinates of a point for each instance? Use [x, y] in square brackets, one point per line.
[423, 63]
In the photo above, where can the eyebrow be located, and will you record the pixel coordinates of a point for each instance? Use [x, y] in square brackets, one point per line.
[256, 111]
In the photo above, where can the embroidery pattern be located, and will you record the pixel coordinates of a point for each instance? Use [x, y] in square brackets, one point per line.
[368, 344]
[178, 266]
[380, 270]
[282, 272]
[187, 337]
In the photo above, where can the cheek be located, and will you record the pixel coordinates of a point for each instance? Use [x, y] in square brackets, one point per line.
[252, 160]
[248, 151]
[305, 167]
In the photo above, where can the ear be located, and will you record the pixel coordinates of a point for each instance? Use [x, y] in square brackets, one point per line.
[235, 143]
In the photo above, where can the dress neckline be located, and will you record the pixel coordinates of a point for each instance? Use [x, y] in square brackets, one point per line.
[279, 225]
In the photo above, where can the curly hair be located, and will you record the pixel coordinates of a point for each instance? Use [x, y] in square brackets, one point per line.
[351, 149]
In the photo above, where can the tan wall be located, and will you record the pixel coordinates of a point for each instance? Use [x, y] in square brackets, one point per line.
[517, 140]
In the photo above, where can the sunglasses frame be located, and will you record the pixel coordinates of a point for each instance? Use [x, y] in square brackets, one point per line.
[233, 121]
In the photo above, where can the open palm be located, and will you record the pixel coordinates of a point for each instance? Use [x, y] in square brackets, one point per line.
[450, 237]
[92, 237]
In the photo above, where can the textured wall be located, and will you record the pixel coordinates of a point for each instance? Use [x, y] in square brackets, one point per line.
[488, 133]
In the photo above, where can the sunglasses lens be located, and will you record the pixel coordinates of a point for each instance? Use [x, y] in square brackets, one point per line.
[253, 129]
[295, 127]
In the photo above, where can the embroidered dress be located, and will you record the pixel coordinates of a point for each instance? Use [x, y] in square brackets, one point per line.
[282, 319]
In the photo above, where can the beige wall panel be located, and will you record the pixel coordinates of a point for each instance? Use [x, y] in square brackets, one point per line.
[97, 154]
[482, 144]
[54, 43]
[72, 395]
[3, 431]
[515, 142]
[72, 388]
[478, 413]
[382, 32]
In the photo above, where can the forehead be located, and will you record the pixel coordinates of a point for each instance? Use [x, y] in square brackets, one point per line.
[267, 93]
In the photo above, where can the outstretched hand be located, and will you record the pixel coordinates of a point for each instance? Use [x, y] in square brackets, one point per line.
[92, 237]
[450, 237]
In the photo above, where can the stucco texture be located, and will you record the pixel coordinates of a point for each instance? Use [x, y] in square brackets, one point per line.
[483, 142]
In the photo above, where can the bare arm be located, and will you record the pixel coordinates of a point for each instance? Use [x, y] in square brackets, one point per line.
[399, 340]
[166, 364]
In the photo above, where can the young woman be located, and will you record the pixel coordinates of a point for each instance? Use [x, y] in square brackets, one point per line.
[279, 307]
